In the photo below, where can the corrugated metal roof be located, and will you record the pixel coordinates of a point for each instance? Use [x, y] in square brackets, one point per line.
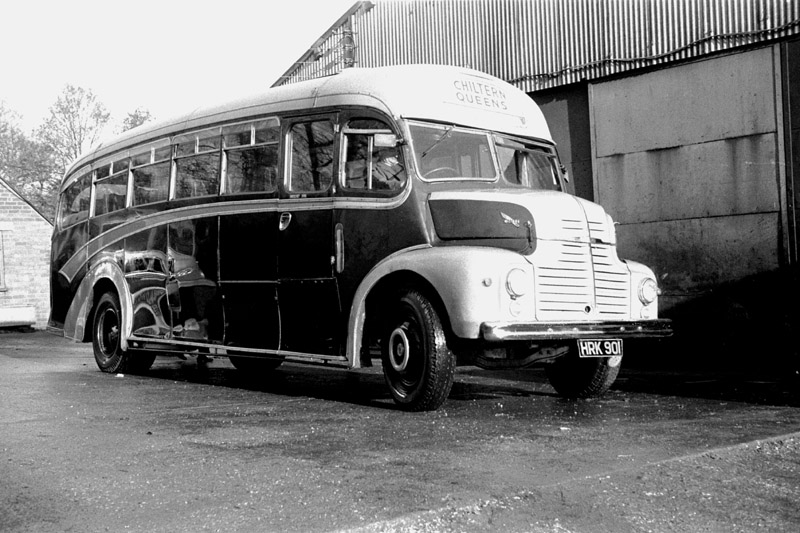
[538, 44]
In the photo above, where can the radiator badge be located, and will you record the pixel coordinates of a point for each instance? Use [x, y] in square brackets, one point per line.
[508, 220]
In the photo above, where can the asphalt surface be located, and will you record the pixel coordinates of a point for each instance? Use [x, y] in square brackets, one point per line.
[193, 447]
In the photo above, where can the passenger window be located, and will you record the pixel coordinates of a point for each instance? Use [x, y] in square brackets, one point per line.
[373, 161]
[75, 201]
[312, 156]
[251, 156]
[197, 164]
[151, 171]
[110, 194]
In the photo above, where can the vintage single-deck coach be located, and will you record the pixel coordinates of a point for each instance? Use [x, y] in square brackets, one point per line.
[415, 213]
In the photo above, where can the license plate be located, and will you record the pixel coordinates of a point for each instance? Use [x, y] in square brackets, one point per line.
[599, 347]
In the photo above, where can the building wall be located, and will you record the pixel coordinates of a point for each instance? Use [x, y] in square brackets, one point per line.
[688, 160]
[791, 96]
[537, 44]
[25, 249]
[566, 110]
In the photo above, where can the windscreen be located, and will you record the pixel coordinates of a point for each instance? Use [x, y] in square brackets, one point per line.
[446, 152]
[453, 153]
[531, 166]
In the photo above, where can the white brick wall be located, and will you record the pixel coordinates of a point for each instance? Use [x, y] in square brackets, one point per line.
[24, 280]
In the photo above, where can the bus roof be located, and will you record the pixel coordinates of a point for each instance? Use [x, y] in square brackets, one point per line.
[451, 95]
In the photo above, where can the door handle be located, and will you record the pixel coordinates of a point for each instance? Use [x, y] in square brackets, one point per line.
[286, 218]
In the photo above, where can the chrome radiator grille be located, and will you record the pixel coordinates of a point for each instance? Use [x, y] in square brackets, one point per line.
[580, 281]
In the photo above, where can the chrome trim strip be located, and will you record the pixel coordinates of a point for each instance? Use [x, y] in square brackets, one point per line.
[220, 208]
[511, 331]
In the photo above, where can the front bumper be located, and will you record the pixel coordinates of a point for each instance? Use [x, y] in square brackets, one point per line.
[533, 331]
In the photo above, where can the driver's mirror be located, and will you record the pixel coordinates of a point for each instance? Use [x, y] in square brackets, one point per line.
[385, 140]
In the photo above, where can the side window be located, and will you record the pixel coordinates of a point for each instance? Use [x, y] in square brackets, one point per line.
[151, 170]
[197, 163]
[251, 156]
[75, 201]
[373, 160]
[110, 193]
[312, 156]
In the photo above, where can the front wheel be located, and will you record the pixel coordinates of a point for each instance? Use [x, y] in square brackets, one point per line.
[417, 364]
[106, 336]
[576, 377]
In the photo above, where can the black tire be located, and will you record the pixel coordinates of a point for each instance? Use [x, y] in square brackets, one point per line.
[254, 365]
[576, 377]
[417, 364]
[106, 332]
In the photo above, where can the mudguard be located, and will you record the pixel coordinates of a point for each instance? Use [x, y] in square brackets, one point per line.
[470, 280]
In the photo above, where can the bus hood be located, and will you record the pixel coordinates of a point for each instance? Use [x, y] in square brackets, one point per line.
[516, 219]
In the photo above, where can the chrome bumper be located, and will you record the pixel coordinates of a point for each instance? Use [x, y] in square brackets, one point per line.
[531, 331]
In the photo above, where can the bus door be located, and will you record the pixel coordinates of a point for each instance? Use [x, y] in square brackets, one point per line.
[192, 292]
[307, 293]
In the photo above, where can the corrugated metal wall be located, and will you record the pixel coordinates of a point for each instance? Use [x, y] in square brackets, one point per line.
[538, 44]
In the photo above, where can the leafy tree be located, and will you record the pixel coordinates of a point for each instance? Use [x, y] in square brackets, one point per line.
[76, 122]
[35, 165]
[28, 165]
[136, 118]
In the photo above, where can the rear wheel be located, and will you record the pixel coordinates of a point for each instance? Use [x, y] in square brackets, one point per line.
[417, 364]
[576, 377]
[106, 337]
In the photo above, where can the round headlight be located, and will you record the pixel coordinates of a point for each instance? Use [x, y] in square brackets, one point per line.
[648, 291]
[518, 282]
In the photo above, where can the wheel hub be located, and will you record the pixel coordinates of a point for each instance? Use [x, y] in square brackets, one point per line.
[399, 350]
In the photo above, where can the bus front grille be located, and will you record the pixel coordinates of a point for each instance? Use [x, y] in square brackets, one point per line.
[580, 281]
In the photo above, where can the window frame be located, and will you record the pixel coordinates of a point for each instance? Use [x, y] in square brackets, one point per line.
[112, 172]
[182, 139]
[450, 128]
[529, 146]
[288, 153]
[152, 148]
[344, 143]
[84, 173]
[253, 145]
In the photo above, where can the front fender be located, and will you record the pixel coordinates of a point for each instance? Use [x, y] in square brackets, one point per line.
[80, 310]
[470, 281]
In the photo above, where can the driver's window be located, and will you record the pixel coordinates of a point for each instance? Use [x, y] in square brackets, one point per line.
[373, 158]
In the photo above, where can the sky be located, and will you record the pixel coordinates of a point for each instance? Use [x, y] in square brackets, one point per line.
[166, 56]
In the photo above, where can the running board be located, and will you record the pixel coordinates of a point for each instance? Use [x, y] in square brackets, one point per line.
[182, 345]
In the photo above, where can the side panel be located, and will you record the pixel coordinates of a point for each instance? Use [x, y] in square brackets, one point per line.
[63, 247]
[146, 273]
[248, 279]
[307, 293]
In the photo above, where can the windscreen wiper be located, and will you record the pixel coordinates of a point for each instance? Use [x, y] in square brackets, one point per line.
[444, 135]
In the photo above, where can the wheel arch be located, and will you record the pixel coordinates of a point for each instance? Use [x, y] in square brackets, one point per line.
[103, 277]
[401, 280]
